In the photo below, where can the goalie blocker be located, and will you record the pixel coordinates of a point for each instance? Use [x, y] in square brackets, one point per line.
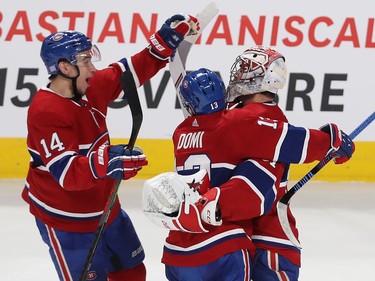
[175, 202]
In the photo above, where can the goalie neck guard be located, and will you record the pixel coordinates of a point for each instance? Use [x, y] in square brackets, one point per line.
[258, 69]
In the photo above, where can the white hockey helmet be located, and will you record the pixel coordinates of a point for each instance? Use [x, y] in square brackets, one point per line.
[258, 69]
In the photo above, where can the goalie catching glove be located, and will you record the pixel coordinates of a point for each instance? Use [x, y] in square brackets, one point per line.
[342, 146]
[164, 42]
[174, 202]
[117, 162]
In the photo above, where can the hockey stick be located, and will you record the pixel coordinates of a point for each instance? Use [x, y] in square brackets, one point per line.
[131, 93]
[177, 65]
[283, 203]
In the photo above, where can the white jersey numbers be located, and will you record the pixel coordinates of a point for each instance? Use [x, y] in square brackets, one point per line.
[190, 140]
[198, 162]
[267, 122]
[54, 144]
[214, 105]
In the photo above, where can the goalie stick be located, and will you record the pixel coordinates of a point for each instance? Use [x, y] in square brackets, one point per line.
[177, 65]
[283, 203]
[131, 94]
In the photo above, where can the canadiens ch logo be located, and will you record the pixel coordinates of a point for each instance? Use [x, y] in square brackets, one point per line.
[58, 36]
[185, 84]
[91, 275]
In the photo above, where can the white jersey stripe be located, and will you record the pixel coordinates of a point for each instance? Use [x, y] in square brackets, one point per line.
[63, 213]
[206, 242]
[280, 142]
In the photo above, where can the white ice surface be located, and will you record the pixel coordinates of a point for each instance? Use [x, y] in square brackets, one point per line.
[336, 223]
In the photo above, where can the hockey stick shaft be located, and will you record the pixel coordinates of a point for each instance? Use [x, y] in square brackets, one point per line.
[286, 198]
[177, 65]
[131, 93]
[282, 205]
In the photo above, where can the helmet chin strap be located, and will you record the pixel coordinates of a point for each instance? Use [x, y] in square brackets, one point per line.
[76, 95]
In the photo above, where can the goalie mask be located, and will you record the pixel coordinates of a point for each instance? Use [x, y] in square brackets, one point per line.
[66, 45]
[202, 92]
[258, 69]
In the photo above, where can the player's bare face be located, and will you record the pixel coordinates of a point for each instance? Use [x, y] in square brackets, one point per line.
[86, 70]
[84, 62]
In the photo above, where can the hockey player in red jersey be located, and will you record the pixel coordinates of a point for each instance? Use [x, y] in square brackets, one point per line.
[73, 165]
[255, 78]
[209, 237]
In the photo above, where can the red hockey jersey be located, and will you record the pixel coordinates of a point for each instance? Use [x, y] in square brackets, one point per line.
[219, 142]
[60, 187]
[267, 231]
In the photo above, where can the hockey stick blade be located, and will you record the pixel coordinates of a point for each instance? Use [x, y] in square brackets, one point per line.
[282, 205]
[131, 93]
[204, 18]
[177, 65]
